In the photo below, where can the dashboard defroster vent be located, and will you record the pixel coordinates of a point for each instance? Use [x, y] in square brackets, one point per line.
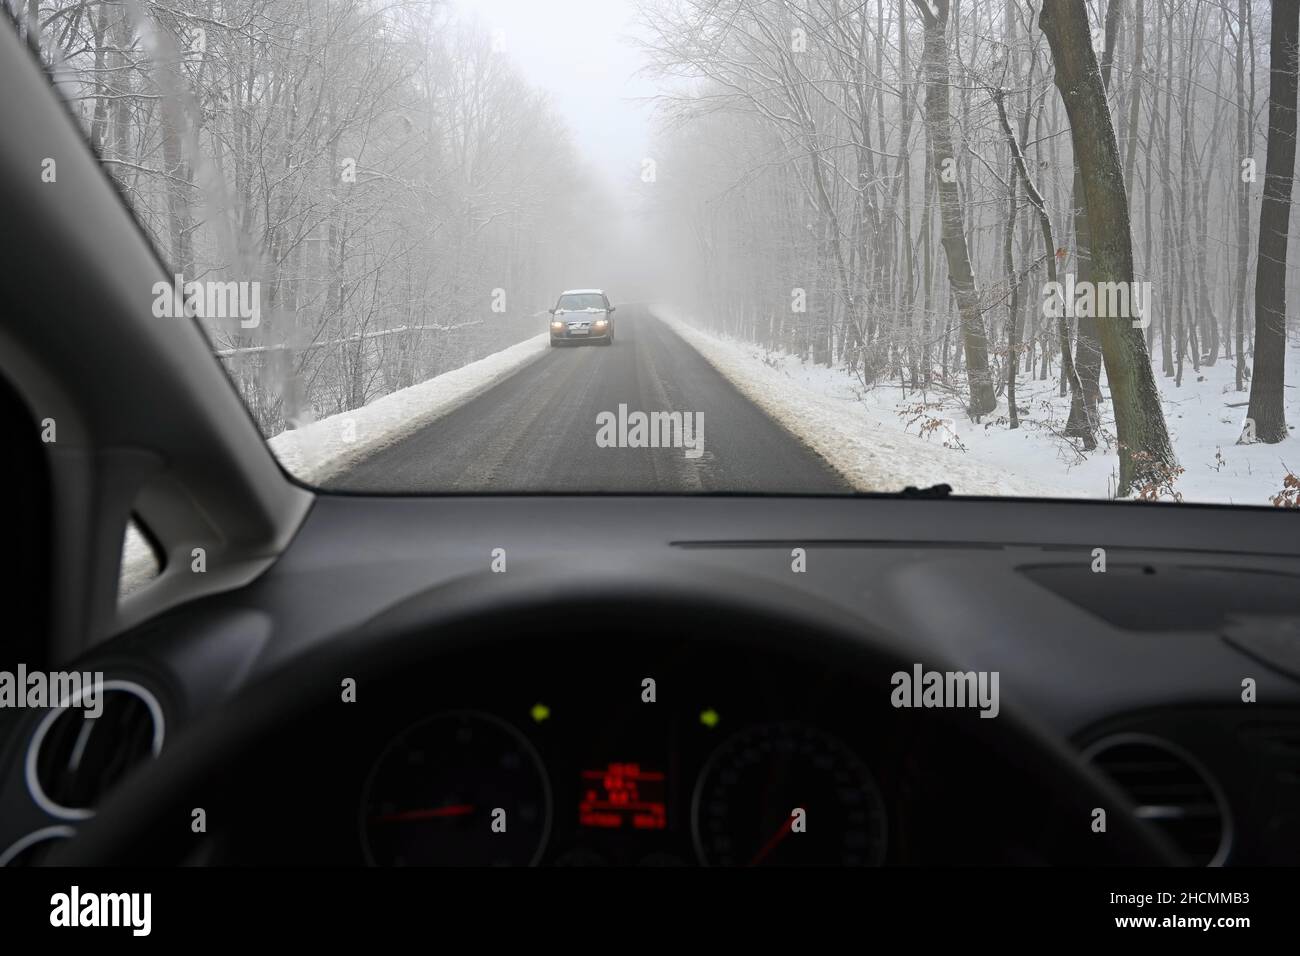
[1171, 790]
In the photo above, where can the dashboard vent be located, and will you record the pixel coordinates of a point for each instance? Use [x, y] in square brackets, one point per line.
[32, 849]
[1169, 789]
[73, 760]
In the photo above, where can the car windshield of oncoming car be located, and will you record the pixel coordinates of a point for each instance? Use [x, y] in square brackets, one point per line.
[586, 300]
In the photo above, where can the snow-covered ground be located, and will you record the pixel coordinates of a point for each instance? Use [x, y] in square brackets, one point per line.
[874, 437]
[326, 447]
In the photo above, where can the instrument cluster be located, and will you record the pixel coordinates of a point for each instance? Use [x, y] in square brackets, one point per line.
[689, 766]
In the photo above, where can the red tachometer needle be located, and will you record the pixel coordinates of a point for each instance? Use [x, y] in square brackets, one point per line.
[771, 844]
[429, 813]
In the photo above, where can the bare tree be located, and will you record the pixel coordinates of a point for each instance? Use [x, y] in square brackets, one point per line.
[1145, 452]
[943, 154]
[376, 166]
[1266, 384]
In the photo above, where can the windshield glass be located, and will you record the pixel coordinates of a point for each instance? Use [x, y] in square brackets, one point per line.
[1033, 249]
[581, 300]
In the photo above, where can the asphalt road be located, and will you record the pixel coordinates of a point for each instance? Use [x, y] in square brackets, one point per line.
[537, 430]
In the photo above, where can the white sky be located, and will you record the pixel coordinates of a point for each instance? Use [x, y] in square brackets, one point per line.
[578, 51]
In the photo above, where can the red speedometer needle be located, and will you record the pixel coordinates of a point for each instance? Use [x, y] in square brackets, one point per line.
[771, 844]
[429, 813]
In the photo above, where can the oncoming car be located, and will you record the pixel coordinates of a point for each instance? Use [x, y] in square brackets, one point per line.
[582, 315]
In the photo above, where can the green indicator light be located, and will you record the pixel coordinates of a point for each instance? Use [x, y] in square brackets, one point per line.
[709, 718]
[540, 712]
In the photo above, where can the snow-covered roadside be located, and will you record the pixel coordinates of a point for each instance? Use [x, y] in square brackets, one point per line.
[872, 453]
[331, 445]
[139, 566]
[873, 439]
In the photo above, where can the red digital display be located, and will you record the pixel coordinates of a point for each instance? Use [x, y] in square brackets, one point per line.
[622, 795]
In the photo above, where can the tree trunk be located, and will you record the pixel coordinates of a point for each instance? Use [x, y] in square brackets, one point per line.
[1266, 382]
[1167, 199]
[1087, 345]
[1135, 96]
[1246, 148]
[1013, 300]
[905, 162]
[1020, 166]
[1145, 453]
[961, 276]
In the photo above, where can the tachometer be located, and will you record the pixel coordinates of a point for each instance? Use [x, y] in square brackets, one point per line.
[458, 789]
[787, 794]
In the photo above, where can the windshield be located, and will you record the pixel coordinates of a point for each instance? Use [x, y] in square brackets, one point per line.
[580, 300]
[1030, 249]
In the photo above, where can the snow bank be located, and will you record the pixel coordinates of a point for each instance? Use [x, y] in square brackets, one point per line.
[869, 436]
[331, 445]
[139, 565]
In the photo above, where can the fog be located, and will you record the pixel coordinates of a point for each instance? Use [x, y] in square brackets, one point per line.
[585, 57]
[582, 57]
[864, 186]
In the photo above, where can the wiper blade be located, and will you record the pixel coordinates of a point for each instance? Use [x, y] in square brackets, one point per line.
[932, 491]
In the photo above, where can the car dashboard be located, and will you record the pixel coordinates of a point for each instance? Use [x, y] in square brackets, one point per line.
[553, 713]
[597, 748]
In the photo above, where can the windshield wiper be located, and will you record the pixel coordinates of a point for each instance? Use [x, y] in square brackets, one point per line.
[932, 491]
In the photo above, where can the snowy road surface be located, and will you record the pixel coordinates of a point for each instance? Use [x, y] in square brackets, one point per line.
[537, 430]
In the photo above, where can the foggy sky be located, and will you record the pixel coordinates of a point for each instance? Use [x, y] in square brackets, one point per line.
[578, 52]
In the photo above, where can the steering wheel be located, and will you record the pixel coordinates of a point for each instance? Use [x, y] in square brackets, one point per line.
[147, 820]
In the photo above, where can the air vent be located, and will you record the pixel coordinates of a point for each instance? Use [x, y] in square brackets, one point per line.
[72, 760]
[1171, 790]
[31, 849]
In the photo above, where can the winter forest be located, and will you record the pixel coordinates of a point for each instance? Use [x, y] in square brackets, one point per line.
[952, 198]
[921, 171]
[403, 198]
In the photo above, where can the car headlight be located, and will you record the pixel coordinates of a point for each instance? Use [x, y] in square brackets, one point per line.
[600, 323]
[557, 326]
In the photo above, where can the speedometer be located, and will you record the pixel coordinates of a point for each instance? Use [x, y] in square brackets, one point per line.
[787, 794]
[458, 789]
